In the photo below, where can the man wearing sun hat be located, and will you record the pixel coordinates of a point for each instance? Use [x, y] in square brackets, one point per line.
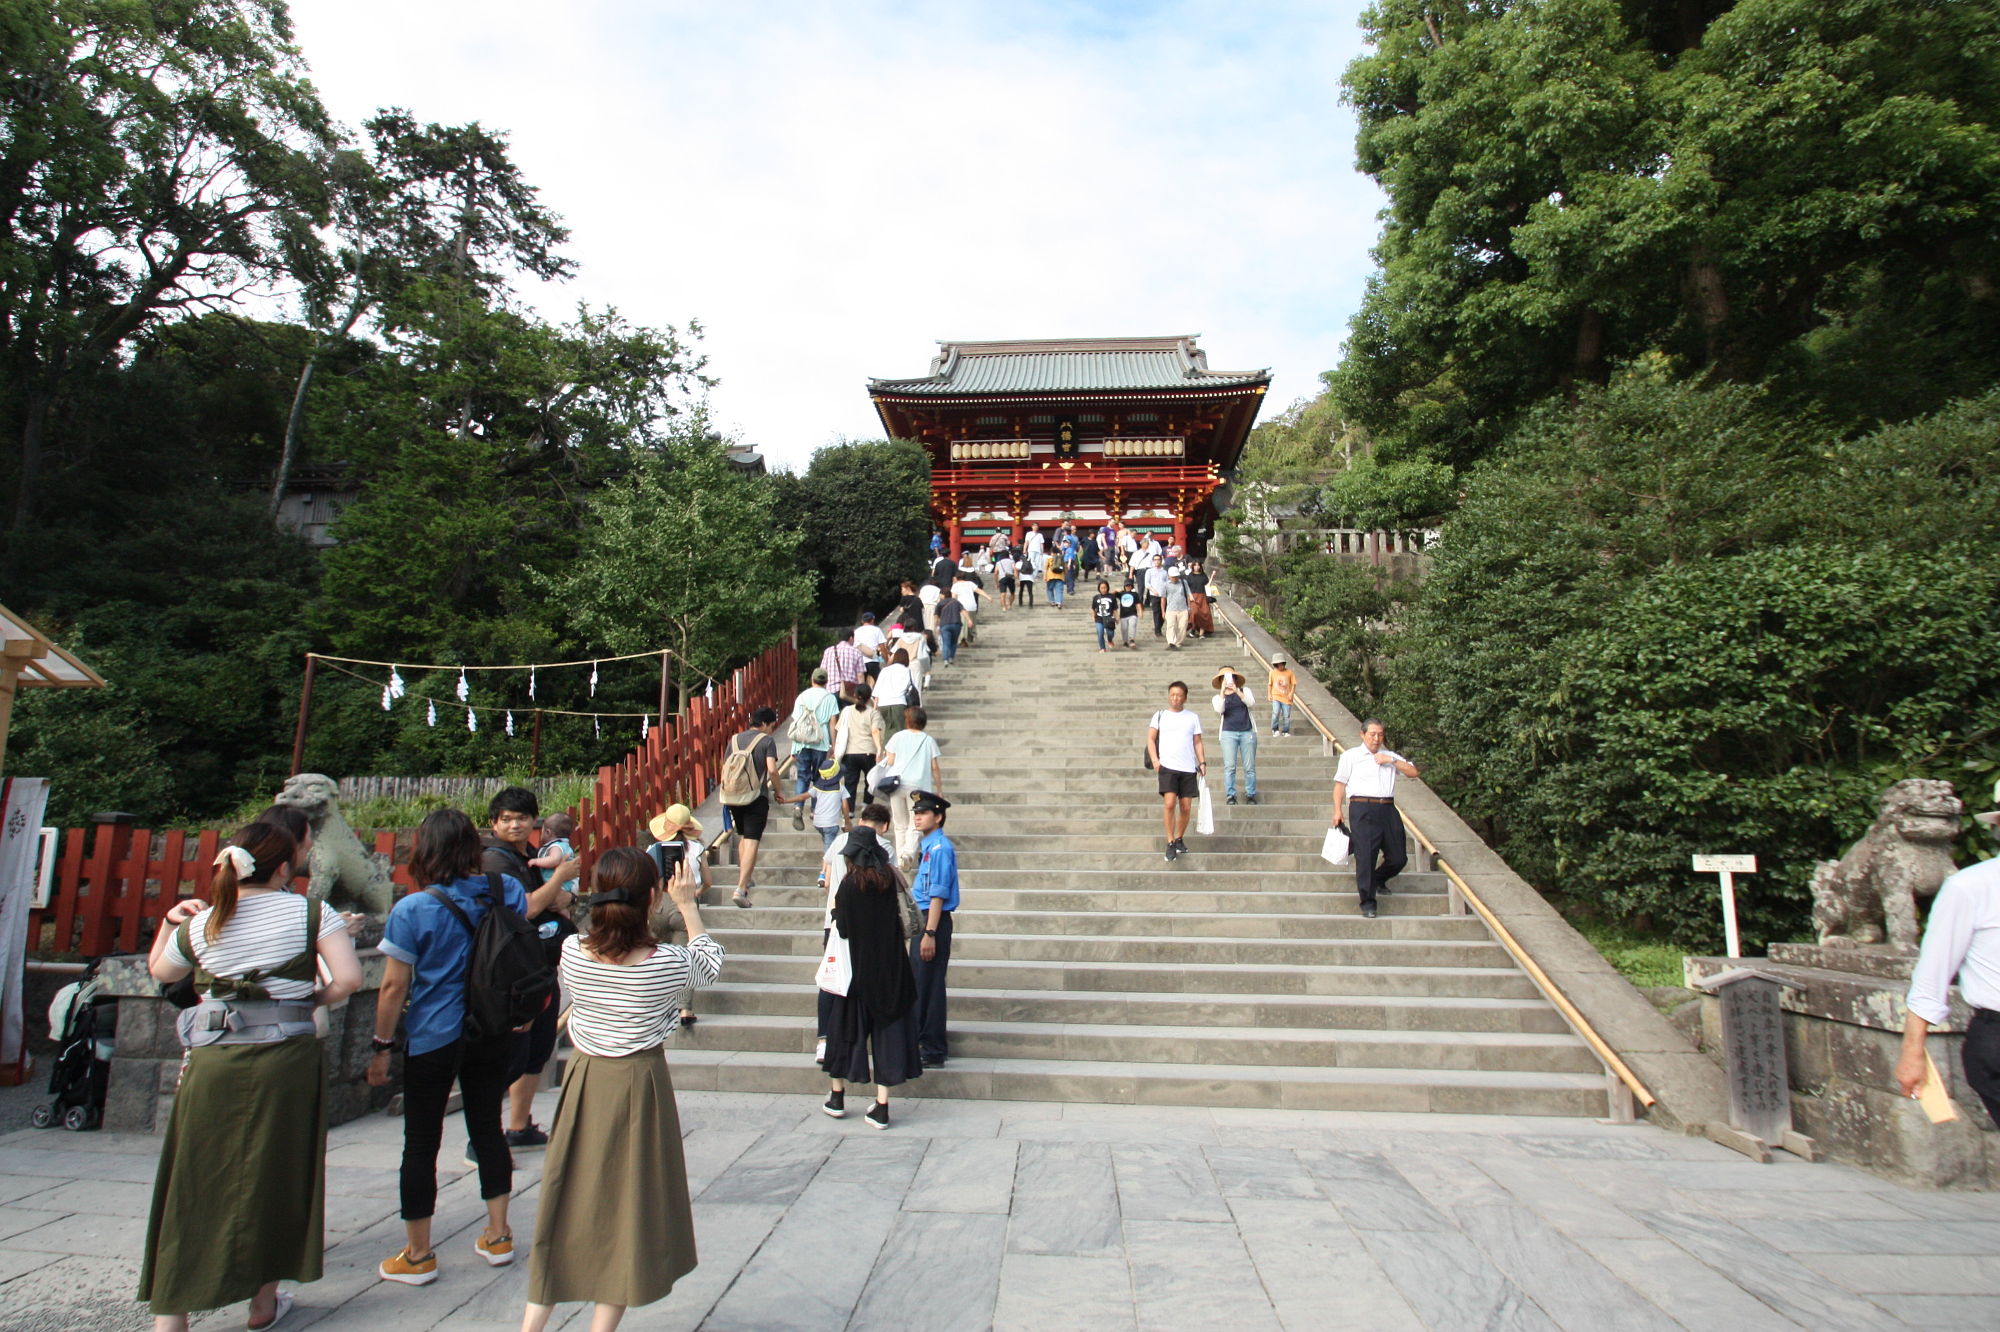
[677, 837]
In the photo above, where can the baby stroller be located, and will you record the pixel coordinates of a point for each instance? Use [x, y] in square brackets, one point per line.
[83, 1024]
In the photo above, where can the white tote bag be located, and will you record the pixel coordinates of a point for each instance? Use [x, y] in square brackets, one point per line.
[836, 969]
[1204, 813]
[1334, 850]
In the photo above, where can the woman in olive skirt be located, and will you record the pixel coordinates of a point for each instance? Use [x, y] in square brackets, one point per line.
[240, 1195]
[870, 1035]
[616, 1227]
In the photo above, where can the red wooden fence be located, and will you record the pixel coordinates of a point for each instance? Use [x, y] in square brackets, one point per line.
[110, 889]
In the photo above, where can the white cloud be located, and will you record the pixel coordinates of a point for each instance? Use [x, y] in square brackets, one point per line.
[830, 188]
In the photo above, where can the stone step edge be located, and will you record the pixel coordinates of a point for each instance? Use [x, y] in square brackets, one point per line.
[1228, 968]
[1159, 1031]
[1478, 1003]
[1070, 1068]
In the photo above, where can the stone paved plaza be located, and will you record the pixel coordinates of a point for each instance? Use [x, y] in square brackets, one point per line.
[969, 1214]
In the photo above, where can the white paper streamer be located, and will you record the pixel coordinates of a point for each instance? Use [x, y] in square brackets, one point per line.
[645, 728]
[593, 679]
[708, 695]
[464, 690]
[396, 689]
[531, 682]
[597, 727]
[388, 697]
[434, 714]
[510, 722]
[471, 720]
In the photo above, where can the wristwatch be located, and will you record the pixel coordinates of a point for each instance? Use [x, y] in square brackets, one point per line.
[930, 932]
[381, 1046]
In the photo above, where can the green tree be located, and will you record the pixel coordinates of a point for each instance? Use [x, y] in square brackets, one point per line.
[155, 158]
[862, 509]
[689, 552]
[1782, 190]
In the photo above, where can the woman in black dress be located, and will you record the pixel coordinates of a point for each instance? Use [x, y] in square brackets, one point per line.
[870, 1034]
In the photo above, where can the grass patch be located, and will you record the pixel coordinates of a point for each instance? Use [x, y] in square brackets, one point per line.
[1641, 960]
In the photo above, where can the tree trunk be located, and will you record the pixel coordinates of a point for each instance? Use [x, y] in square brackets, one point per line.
[290, 452]
[1711, 301]
[1588, 363]
[34, 426]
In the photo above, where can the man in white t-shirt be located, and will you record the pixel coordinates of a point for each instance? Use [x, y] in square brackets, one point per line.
[868, 636]
[913, 756]
[1364, 803]
[1173, 742]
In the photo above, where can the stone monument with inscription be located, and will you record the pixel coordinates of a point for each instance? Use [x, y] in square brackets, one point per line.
[1840, 1003]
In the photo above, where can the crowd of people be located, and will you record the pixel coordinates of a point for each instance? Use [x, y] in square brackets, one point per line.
[501, 946]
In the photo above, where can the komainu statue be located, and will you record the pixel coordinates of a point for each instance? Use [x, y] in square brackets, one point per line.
[342, 872]
[1869, 896]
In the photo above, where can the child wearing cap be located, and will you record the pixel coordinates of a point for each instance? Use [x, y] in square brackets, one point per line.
[1282, 688]
[829, 804]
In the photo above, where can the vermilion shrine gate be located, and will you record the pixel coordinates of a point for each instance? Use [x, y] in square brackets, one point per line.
[1031, 433]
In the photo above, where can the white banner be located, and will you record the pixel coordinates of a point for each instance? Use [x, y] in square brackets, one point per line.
[22, 801]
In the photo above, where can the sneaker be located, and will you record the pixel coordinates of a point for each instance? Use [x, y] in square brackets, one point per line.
[1229, 800]
[533, 1136]
[1180, 845]
[878, 1116]
[410, 1271]
[931, 1061]
[836, 1105]
[1368, 912]
[497, 1252]
[798, 820]
[1173, 852]
[1251, 798]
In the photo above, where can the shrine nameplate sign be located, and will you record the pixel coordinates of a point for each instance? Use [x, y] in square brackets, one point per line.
[1725, 864]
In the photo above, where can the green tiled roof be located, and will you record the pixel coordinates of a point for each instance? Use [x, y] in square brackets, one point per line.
[1068, 365]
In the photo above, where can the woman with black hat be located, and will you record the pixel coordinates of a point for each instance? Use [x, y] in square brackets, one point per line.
[871, 1035]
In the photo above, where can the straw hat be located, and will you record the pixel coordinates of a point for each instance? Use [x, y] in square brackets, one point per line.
[1216, 683]
[675, 818]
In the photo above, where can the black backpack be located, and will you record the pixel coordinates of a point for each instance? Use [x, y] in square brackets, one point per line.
[508, 980]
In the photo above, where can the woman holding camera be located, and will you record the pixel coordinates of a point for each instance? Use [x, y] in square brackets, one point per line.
[616, 1227]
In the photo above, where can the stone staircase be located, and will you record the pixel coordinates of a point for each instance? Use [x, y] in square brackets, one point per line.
[1087, 968]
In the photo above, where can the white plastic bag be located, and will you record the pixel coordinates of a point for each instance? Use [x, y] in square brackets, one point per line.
[836, 969]
[1204, 814]
[1335, 850]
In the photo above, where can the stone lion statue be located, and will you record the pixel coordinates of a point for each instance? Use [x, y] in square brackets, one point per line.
[343, 873]
[1869, 896]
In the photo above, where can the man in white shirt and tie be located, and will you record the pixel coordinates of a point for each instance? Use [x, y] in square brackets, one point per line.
[1962, 940]
[1364, 802]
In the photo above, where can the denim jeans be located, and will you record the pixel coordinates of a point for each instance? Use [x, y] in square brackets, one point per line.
[1281, 717]
[810, 762]
[1056, 592]
[948, 640]
[1107, 633]
[1239, 746]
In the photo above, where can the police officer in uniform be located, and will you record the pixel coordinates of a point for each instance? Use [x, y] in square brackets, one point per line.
[935, 890]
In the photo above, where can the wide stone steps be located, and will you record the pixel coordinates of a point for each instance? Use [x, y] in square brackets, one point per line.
[1162, 1044]
[1248, 1086]
[1382, 1013]
[1087, 967]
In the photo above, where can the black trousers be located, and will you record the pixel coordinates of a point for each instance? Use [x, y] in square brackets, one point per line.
[480, 1069]
[930, 1012]
[1982, 1059]
[853, 773]
[1377, 830]
[1159, 615]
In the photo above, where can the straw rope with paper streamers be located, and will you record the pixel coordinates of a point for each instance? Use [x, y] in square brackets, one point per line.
[502, 709]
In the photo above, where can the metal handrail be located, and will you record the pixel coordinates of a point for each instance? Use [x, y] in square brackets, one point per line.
[1550, 991]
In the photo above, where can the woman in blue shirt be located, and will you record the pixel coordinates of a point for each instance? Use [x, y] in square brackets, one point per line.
[429, 950]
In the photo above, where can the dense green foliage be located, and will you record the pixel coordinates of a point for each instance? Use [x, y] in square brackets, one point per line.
[1794, 191]
[521, 490]
[862, 513]
[1681, 343]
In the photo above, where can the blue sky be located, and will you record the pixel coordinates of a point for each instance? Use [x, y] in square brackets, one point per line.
[832, 188]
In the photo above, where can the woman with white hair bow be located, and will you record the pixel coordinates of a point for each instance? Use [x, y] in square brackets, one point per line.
[241, 1189]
